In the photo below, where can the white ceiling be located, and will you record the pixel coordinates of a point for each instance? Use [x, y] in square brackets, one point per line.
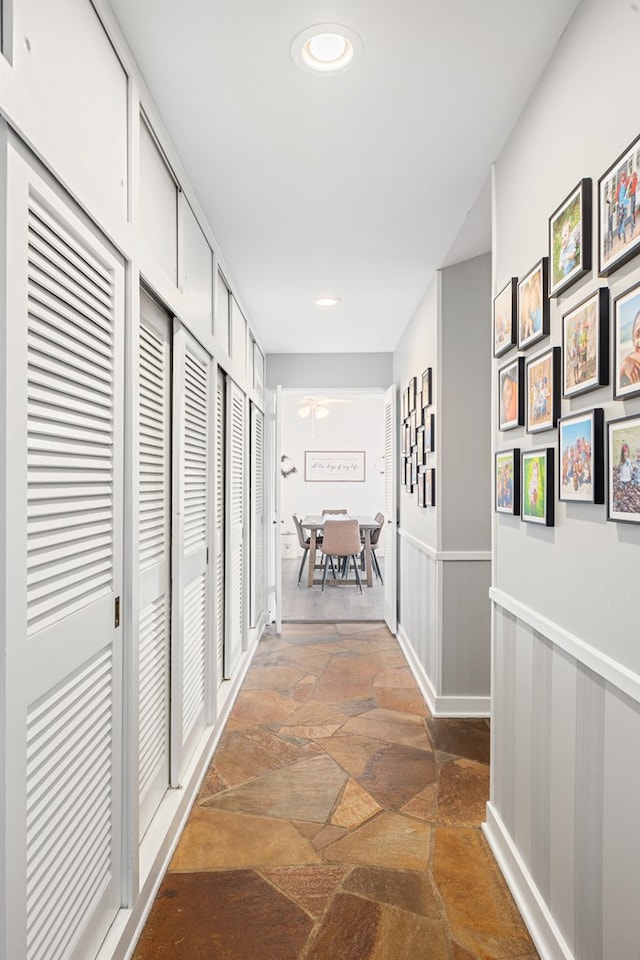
[358, 185]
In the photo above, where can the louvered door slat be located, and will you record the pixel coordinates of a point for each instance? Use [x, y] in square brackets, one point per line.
[219, 520]
[235, 538]
[154, 546]
[257, 514]
[195, 485]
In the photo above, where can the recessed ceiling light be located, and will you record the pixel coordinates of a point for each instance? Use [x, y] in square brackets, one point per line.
[327, 301]
[326, 48]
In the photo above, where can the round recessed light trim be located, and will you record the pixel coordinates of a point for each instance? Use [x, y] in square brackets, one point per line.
[326, 48]
[327, 301]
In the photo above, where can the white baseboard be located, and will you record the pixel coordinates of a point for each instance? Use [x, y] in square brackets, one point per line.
[549, 942]
[441, 706]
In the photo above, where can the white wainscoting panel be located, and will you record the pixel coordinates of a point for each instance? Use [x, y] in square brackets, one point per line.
[562, 819]
[444, 626]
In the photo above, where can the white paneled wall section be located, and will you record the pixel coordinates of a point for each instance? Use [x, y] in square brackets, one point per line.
[121, 470]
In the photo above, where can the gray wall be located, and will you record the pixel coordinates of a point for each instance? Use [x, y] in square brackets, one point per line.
[465, 416]
[325, 370]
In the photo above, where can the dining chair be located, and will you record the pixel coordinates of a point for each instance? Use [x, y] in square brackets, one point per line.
[374, 539]
[341, 538]
[305, 543]
[326, 513]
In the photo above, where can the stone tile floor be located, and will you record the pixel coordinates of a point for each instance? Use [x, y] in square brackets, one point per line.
[337, 820]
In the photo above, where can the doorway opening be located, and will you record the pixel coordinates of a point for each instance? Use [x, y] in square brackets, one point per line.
[314, 425]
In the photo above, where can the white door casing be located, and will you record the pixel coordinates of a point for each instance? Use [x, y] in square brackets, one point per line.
[62, 371]
[390, 511]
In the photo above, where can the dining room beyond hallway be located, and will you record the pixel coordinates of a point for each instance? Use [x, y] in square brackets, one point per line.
[337, 820]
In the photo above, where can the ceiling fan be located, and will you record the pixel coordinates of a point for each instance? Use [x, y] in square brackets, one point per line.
[317, 407]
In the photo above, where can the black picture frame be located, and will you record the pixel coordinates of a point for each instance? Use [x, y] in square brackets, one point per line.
[537, 503]
[533, 305]
[581, 457]
[507, 481]
[626, 334]
[429, 428]
[570, 240]
[427, 379]
[505, 318]
[429, 487]
[542, 390]
[420, 449]
[585, 345]
[623, 474]
[413, 390]
[511, 394]
[615, 214]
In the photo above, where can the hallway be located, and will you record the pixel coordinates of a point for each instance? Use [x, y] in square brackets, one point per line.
[337, 820]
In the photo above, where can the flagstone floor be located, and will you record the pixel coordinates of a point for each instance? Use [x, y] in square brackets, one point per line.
[337, 820]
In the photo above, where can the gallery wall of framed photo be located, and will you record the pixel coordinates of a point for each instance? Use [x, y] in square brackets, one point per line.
[566, 345]
[545, 387]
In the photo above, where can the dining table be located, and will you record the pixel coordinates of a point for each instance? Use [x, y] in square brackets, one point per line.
[314, 523]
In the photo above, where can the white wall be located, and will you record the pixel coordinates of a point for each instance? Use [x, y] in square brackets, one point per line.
[566, 684]
[355, 424]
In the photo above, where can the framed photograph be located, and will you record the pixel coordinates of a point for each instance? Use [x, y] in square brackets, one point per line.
[570, 239]
[406, 439]
[408, 480]
[507, 480]
[536, 474]
[585, 345]
[428, 433]
[429, 475]
[623, 470]
[413, 389]
[405, 403]
[533, 305]
[421, 487]
[334, 466]
[543, 390]
[511, 394]
[626, 344]
[505, 318]
[618, 240]
[426, 387]
[413, 426]
[581, 454]
[420, 446]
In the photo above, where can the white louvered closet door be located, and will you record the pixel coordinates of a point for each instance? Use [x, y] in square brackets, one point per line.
[191, 614]
[390, 510]
[236, 554]
[154, 568]
[62, 367]
[219, 522]
[257, 559]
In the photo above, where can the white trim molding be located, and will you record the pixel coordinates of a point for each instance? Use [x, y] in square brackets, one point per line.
[544, 931]
[443, 556]
[610, 670]
[441, 706]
